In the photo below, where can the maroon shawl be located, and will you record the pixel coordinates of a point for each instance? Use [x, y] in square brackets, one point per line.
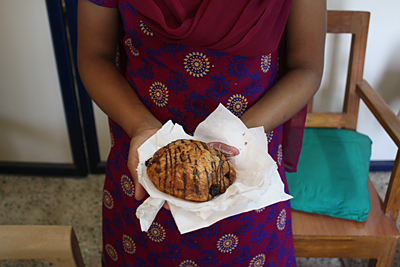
[239, 27]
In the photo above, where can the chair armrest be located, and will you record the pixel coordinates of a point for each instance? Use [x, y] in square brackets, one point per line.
[391, 123]
[57, 244]
[386, 117]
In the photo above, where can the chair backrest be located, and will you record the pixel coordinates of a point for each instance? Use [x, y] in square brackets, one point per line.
[354, 23]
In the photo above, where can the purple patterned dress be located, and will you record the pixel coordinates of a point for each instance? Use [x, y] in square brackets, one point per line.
[184, 84]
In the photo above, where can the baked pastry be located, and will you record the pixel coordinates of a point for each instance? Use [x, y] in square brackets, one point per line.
[190, 170]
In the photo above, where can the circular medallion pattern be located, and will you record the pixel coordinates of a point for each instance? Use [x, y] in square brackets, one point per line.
[265, 63]
[145, 29]
[112, 252]
[227, 243]
[281, 220]
[112, 139]
[258, 261]
[260, 210]
[237, 104]
[270, 135]
[188, 263]
[108, 200]
[134, 50]
[129, 244]
[280, 154]
[159, 94]
[156, 232]
[196, 64]
[127, 185]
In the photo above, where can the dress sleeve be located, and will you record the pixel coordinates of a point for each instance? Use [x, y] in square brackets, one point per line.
[106, 3]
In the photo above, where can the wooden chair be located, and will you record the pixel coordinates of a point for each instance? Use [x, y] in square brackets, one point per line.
[376, 238]
[57, 244]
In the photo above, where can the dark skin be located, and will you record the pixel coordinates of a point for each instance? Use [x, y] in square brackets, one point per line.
[97, 41]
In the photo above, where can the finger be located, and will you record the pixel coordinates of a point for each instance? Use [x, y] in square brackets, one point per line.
[140, 192]
[133, 163]
[166, 206]
[227, 150]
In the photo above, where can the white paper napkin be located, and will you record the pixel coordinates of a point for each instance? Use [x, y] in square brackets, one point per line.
[257, 184]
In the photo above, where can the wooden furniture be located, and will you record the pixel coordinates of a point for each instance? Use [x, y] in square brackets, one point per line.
[376, 238]
[57, 244]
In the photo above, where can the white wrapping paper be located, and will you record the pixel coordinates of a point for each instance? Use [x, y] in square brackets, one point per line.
[257, 184]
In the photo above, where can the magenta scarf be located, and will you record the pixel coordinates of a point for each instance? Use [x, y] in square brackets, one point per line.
[239, 27]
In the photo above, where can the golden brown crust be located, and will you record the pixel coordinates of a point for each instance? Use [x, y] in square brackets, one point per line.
[191, 170]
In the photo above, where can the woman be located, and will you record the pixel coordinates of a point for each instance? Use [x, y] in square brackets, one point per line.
[183, 57]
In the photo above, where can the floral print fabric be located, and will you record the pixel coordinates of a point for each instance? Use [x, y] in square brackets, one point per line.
[185, 84]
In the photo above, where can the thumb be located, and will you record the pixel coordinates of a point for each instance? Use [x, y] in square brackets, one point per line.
[227, 150]
[139, 190]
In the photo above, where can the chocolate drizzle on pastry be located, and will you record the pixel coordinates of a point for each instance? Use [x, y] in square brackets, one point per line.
[191, 170]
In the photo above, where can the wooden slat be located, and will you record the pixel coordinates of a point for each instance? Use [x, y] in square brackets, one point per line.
[345, 21]
[342, 247]
[310, 106]
[330, 120]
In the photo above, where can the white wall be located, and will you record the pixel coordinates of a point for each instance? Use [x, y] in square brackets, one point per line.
[32, 123]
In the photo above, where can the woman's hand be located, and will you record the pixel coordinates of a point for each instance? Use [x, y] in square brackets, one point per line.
[133, 158]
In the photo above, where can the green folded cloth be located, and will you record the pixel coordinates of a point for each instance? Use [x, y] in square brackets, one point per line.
[332, 176]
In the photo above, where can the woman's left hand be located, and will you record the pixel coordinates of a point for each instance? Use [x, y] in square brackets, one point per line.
[133, 161]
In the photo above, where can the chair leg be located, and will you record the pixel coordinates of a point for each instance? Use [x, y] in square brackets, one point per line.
[76, 251]
[345, 262]
[72, 257]
[372, 262]
[386, 259]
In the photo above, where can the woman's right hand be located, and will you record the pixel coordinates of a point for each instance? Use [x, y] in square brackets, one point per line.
[133, 158]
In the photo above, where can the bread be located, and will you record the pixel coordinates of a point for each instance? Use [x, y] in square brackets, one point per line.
[190, 170]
